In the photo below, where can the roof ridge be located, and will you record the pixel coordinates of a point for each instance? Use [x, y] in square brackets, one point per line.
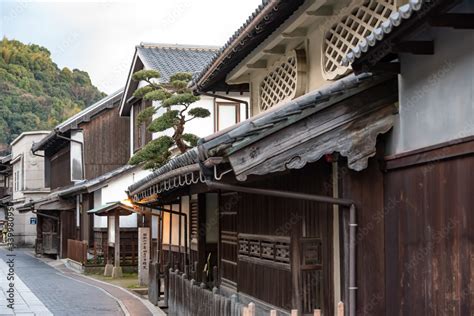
[178, 46]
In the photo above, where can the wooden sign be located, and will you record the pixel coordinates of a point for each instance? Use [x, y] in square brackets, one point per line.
[143, 255]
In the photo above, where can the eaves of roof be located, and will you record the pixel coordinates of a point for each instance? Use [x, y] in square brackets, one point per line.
[74, 121]
[258, 127]
[403, 21]
[260, 24]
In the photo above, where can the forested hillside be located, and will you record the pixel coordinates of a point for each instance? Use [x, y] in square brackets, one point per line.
[35, 93]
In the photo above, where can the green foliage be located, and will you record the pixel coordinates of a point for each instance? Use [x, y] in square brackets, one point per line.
[154, 154]
[157, 95]
[165, 121]
[141, 92]
[146, 75]
[191, 139]
[145, 115]
[181, 76]
[199, 112]
[177, 98]
[184, 99]
[35, 93]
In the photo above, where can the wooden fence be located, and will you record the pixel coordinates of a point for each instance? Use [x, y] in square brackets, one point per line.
[77, 250]
[189, 298]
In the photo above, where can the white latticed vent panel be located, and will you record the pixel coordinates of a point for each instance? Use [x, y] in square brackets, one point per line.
[352, 28]
[285, 80]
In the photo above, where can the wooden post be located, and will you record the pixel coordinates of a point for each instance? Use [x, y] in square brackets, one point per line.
[117, 240]
[317, 312]
[144, 235]
[251, 309]
[273, 312]
[340, 309]
[294, 312]
[117, 270]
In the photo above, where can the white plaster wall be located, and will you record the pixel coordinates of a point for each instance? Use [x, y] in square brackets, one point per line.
[31, 169]
[174, 224]
[436, 93]
[115, 191]
[200, 126]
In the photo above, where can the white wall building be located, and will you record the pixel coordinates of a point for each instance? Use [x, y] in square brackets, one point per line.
[28, 184]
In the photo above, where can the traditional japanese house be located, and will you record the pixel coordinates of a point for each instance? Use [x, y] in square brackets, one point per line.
[348, 189]
[226, 108]
[90, 144]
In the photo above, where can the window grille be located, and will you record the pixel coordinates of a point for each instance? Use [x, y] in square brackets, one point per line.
[352, 28]
[285, 81]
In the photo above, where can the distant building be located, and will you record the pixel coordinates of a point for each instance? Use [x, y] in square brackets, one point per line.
[6, 184]
[28, 184]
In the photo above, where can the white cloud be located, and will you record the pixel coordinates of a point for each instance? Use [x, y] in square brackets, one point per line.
[100, 36]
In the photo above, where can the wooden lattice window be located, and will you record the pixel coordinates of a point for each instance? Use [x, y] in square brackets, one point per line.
[193, 205]
[353, 26]
[285, 81]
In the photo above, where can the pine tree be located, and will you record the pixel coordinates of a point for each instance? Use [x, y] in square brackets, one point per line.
[176, 98]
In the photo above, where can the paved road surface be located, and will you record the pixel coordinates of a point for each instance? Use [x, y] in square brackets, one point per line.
[60, 294]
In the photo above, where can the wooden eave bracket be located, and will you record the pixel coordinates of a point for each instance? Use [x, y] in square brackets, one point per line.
[298, 32]
[277, 50]
[261, 64]
[325, 10]
[454, 20]
[415, 47]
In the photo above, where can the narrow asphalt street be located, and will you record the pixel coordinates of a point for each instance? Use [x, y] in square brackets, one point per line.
[43, 290]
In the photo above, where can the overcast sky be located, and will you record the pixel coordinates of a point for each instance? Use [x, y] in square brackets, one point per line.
[99, 36]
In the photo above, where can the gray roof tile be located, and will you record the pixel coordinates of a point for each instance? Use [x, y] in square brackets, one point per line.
[170, 59]
[394, 21]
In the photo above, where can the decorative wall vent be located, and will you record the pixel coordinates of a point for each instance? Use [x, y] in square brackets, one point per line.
[353, 26]
[285, 81]
[262, 249]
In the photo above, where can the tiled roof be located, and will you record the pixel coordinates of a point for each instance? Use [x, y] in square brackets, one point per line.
[396, 19]
[260, 126]
[188, 158]
[286, 114]
[73, 122]
[88, 112]
[266, 18]
[170, 59]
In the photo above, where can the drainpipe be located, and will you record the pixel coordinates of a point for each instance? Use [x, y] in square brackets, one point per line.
[352, 260]
[315, 198]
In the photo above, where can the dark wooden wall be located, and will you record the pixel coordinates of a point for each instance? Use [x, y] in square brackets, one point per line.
[68, 229]
[366, 189]
[429, 231]
[265, 216]
[60, 166]
[141, 136]
[106, 143]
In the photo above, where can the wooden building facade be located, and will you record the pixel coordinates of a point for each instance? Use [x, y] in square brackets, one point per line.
[89, 145]
[331, 194]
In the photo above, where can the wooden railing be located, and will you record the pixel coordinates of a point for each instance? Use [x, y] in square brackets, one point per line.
[77, 250]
